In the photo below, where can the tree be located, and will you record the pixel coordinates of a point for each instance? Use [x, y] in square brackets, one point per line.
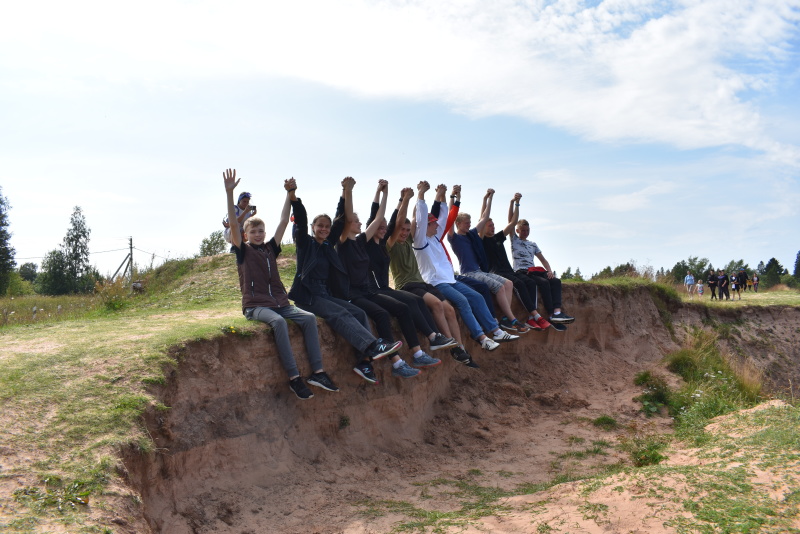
[28, 271]
[213, 244]
[735, 266]
[761, 268]
[52, 279]
[578, 275]
[76, 249]
[7, 262]
[772, 273]
[566, 275]
[694, 264]
[796, 272]
[67, 269]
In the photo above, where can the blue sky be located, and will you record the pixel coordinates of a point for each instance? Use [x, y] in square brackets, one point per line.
[635, 130]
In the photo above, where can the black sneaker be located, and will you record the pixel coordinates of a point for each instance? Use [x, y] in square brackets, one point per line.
[462, 356]
[562, 318]
[365, 371]
[322, 380]
[507, 324]
[441, 342]
[559, 327]
[379, 349]
[299, 388]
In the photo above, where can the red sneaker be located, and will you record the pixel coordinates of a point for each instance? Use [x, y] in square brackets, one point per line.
[533, 324]
[543, 323]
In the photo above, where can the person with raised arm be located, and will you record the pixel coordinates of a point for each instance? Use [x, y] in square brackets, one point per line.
[473, 283]
[320, 275]
[525, 253]
[363, 291]
[264, 296]
[467, 244]
[379, 262]
[437, 271]
[494, 245]
[407, 278]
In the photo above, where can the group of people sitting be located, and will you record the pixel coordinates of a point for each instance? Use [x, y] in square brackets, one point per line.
[722, 282]
[343, 271]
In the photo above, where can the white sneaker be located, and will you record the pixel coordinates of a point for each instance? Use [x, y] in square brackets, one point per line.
[488, 344]
[501, 335]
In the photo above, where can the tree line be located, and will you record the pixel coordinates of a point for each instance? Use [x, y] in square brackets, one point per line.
[67, 269]
[63, 271]
[770, 273]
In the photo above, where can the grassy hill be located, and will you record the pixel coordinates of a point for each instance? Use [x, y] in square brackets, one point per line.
[74, 382]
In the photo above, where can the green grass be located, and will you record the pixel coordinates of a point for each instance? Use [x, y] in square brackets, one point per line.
[711, 386]
[81, 379]
[779, 296]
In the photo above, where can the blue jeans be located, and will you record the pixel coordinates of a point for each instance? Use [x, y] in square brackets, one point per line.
[276, 318]
[472, 308]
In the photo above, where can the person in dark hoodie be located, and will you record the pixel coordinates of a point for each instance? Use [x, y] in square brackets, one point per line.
[712, 283]
[380, 261]
[723, 285]
[363, 291]
[264, 297]
[321, 280]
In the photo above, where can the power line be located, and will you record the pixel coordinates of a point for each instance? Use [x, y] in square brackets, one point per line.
[99, 252]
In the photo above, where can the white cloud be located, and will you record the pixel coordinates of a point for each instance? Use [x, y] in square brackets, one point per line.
[635, 200]
[620, 70]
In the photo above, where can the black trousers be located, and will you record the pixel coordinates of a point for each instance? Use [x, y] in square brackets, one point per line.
[381, 308]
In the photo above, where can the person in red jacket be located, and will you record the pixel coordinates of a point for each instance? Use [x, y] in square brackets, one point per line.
[264, 296]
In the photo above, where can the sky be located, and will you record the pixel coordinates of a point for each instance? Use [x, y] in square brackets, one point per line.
[636, 130]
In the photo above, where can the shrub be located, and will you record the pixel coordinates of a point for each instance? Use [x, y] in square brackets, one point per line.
[213, 244]
[112, 293]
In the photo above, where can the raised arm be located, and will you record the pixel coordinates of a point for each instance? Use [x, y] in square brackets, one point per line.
[290, 186]
[372, 227]
[420, 226]
[399, 217]
[455, 205]
[230, 181]
[486, 211]
[347, 184]
[373, 209]
[513, 214]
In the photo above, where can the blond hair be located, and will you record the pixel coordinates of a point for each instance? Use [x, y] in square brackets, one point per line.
[462, 217]
[252, 221]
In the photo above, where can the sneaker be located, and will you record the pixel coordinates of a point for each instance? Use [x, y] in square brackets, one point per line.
[544, 323]
[559, 327]
[507, 324]
[426, 361]
[322, 380]
[299, 388]
[521, 328]
[503, 336]
[534, 325]
[561, 317]
[379, 349]
[405, 370]
[365, 371]
[442, 342]
[488, 344]
[462, 356]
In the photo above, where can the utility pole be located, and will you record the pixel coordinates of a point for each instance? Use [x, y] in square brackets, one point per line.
[130, 255]
[129, 260]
